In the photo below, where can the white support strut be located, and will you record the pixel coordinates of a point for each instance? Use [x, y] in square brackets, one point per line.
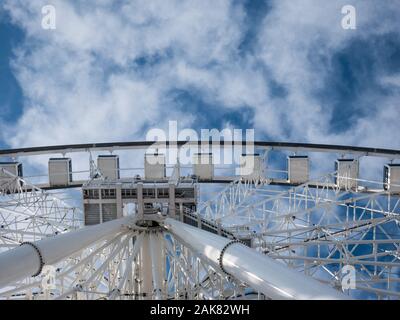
[259, 271]
[29, 258]
[146, 287]
[156, 264]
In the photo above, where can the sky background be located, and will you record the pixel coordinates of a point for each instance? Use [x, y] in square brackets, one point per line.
[114, 69]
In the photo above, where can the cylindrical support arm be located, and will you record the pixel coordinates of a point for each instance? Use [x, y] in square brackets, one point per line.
[259, 271]
[156, 264]
[146, 287]
[29, 258]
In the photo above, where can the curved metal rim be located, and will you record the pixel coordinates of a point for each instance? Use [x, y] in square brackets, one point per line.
[366, 151]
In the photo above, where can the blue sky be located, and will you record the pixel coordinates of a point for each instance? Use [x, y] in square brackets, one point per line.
[11, 101]
[114, 69]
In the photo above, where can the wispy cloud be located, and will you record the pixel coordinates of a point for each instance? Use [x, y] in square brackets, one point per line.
[108, 70]
[299, 43]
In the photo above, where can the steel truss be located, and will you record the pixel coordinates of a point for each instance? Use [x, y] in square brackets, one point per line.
[118, 268]
[306, 233]
[28, 213]
[318, 230]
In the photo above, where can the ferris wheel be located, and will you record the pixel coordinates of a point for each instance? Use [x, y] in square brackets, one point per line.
[203, 230]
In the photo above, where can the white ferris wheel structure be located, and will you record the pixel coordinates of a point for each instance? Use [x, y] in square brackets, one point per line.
[199, 231]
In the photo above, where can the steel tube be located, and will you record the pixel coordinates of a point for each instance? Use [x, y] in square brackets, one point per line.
[146, 286]
[156, 264]
[24, 261]
[260, 272]
[132, 145]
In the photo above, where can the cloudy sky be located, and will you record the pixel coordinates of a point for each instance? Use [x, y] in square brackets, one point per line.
[113, 69]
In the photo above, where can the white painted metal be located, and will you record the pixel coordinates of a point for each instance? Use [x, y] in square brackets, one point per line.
[251, 167]
[23, 261]
[203, 166]
[8, 172]
[260, 272]
[314, 229]
[15, 168]
[347, 173]
[60, 172]
[28, 213]
[154, 166]
[108, 165]
[298, 169]
[146, 285]
[156, 264]
[392, 177]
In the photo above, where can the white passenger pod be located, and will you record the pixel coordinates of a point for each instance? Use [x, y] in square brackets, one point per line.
[109, 166]
[391, 177]
[203, 166]
[154, 166]
[8, 171]
[251, 167]
[298, 169]
[60, 172]
[346, 173]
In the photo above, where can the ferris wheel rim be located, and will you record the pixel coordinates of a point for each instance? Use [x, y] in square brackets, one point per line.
[312, 147]
[281, 245]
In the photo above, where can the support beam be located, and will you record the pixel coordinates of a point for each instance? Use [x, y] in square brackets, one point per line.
[156, 264]
[128, 273]
[146, 286]
[143, 145]
[28, 259]
[140, 208]
[257, 270]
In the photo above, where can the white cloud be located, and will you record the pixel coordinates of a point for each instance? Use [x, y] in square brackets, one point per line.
[292, 34]
[83, 82]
